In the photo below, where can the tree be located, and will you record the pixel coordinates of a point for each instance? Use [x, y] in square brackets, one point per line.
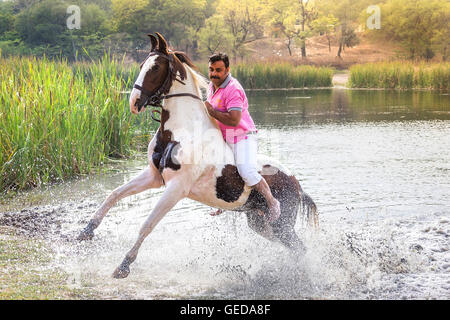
[42, 23]
[441, 34]
[307, 14]
[326, 25]
[6, 18]
[175, 19]
[420, 26]
[282, 21]
[214, 37]
[129, 16]
[243, 20]
[347, 12]
[181, 20]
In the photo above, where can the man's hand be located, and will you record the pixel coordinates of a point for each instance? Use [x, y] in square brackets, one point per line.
[209, 108]
[231, 118]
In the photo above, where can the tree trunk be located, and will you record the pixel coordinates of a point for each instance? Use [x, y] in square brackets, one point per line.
[303, 30]
[289, 47]
[303, 50]
[339, 50]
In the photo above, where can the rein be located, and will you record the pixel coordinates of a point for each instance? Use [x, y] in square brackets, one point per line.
[154, 99]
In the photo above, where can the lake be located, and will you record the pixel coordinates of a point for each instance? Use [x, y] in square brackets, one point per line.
[376, 163]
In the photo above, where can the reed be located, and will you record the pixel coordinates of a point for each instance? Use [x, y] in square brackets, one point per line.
[400, 75]
[279, 75]
[57, 120]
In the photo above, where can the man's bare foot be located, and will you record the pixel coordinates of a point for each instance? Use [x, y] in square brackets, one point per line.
[219, 211]
[274, 211]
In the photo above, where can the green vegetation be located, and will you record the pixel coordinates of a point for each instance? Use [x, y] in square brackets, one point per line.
[278, 75]
[61, 116]
[200, 27]
[58, 121]
[26, 272]
[282, 75]
[421, 27]
[400, 75]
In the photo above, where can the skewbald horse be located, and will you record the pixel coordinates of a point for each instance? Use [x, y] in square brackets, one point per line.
[188, 164]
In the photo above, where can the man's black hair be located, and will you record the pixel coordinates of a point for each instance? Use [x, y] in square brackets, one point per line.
[220, 57]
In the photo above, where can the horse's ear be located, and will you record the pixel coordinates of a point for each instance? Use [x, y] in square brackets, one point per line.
[154, 42]
[178, 67]
[162, 44]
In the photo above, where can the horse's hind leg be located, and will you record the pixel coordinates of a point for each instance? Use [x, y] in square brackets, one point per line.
[289, 238]
[149, 178]
[280, 232]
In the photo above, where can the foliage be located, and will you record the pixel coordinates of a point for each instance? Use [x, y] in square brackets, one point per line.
[282, 75]
[282, 21]
[278, 75]
[243, 20]
[400, 75]
[38, 27]
[214, 37]
[325, 25]
[420, 26]
[58, 121]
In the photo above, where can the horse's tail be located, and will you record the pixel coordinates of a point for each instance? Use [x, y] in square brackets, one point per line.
[308, 209]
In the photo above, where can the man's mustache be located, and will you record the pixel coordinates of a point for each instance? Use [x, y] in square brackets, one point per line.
[214, 77]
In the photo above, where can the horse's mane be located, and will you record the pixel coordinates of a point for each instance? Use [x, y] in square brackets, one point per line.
[200, 81]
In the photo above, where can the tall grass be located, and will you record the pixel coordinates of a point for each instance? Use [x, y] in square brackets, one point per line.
[57, 120]
[279, 75]
[400, 75]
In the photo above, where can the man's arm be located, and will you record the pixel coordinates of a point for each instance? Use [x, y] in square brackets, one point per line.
[230, 118]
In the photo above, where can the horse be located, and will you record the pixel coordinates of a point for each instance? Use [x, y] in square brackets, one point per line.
[187, 164]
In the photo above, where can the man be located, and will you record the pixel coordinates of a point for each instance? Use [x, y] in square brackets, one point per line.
[228, 104]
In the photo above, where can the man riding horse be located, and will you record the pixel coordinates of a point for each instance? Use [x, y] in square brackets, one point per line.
[227, 103]
[184, 156]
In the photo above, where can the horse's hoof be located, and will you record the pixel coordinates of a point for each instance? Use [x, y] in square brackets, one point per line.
[85, 235]
[121, 272]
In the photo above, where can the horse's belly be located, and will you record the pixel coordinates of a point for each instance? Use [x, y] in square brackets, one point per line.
[212, 190]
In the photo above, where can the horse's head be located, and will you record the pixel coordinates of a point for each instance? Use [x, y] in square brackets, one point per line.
[157, 73]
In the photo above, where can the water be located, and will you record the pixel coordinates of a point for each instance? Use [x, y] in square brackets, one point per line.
[377, 164]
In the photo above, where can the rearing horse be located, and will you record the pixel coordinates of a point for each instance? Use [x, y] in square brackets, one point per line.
[189, 156]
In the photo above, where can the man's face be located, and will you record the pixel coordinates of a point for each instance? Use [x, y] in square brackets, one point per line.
[218, 73]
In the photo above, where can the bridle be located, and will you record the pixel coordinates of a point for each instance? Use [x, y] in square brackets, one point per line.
[154, 99]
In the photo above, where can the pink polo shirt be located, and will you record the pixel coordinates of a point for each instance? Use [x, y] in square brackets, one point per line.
[231, 96]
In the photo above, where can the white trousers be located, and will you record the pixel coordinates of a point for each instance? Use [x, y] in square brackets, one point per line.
[245, 155]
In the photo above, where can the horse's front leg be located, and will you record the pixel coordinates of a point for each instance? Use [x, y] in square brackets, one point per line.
[149, 178]
[176, 190]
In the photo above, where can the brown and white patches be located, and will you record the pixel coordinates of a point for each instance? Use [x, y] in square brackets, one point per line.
[229, 186]
[135, 93]
[284, 187]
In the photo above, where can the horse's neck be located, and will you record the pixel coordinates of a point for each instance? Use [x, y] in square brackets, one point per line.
[191, 126]
[186, 112]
